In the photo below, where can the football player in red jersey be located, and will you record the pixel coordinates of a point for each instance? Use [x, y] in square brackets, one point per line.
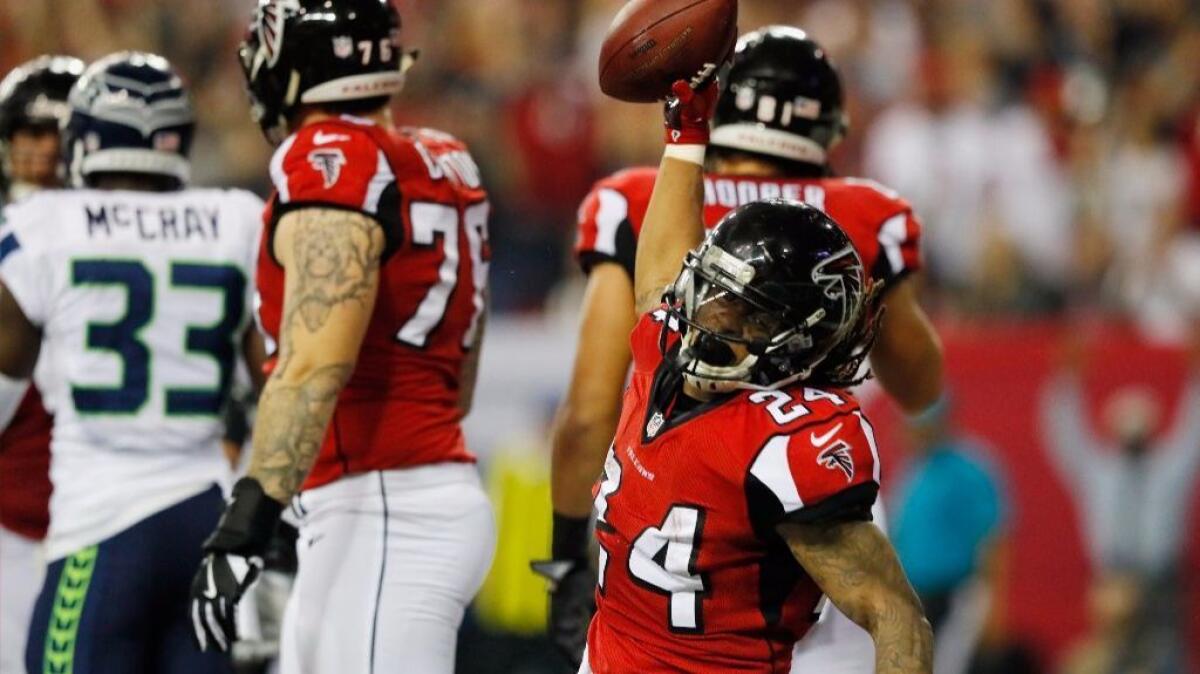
[33, 104]
[780, 113]
[737, 492]
[372, 281]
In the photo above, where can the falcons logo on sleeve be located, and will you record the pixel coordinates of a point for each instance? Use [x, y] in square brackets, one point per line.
[837, 457]
[329, 163]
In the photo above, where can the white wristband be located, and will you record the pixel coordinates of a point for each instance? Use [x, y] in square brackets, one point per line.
[688, 153]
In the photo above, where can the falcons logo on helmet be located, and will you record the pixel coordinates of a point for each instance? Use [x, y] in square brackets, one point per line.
[837, 457]
[270, 27]
[834, 284]
[328, 163]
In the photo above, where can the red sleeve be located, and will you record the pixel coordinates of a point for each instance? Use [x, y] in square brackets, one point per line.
[827, 470]
[654, 335]
[335, 164]
[882, 225]
[610, 218]
[331, 164]
[899, 244]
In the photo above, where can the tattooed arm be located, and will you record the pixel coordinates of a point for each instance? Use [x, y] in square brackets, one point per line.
[331, 258]
[856, 567]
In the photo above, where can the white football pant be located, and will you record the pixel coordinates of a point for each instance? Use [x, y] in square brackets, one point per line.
[21, 572]
[388, 563]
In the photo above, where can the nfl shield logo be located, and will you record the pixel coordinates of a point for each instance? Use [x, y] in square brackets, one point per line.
[343, 46]
[655, 424]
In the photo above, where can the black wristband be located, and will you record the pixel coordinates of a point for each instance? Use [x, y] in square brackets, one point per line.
[248, 523]
[570, 538]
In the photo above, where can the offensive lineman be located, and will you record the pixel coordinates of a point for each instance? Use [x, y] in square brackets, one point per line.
[778, 115]
[136, 292]
[372, 277]
[33, 106]
[737, 493]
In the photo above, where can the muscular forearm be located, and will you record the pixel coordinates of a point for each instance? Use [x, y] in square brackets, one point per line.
[914, 380]
[857, 568]
[903, 640]
[907, 355]
[577, 459]
[587, 418]
[293, 414]
[673, 225]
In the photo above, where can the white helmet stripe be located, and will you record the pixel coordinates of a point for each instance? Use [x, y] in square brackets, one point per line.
[759, 139]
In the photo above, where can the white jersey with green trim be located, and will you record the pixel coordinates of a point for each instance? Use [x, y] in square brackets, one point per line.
[143, 300]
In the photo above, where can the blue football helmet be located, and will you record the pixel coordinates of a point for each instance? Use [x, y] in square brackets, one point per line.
[130, 113]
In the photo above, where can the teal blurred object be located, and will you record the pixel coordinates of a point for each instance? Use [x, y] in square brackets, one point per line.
[948, 507]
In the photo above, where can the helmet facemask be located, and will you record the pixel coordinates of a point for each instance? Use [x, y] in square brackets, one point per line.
[722, 316]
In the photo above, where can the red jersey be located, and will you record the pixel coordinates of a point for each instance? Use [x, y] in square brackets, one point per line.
[693, 576]
[400, 406]
[882, 226]
[25, 469]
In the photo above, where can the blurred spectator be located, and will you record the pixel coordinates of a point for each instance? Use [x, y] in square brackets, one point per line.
[1133, 486]
[1114, 602]
[947, 522]
[985, 179]
[1037, 187]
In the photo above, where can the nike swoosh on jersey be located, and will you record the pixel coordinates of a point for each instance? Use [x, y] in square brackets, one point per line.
[322, 138]
[819, 440]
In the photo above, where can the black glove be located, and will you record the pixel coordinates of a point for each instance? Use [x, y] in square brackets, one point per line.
[233, 561]
[572, 587]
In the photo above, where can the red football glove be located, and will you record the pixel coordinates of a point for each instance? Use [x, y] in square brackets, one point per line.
[689, 108]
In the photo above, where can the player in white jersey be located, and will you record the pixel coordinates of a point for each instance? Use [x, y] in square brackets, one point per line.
[138, 293]
[33, 105]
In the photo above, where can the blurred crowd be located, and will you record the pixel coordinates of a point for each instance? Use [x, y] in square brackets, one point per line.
[1052, 147]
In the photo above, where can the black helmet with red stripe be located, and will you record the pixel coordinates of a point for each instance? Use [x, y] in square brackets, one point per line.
[320, 51]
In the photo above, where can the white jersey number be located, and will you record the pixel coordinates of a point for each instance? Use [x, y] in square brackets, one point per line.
[675, 577]
[608, 487]
[431, 221]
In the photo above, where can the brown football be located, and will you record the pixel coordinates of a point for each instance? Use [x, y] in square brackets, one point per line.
[652, 43]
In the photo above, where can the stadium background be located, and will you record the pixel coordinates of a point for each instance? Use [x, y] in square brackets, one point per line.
[1052, 148]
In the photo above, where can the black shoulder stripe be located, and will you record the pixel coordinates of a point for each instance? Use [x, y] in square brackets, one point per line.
[851, 505]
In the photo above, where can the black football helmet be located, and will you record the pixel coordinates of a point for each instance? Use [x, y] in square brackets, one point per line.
[319, 51]
[130, 113]
[785, 268]
[34, 96]
[782, 98]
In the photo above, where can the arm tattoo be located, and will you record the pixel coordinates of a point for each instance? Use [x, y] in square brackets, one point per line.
[333, 267]
[335, 259]
[290, 427]
[856, 567]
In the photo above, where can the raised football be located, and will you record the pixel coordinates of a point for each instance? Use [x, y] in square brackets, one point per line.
[652, 43]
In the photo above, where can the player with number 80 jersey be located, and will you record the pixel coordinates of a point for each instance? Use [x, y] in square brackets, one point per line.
[419, 184]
